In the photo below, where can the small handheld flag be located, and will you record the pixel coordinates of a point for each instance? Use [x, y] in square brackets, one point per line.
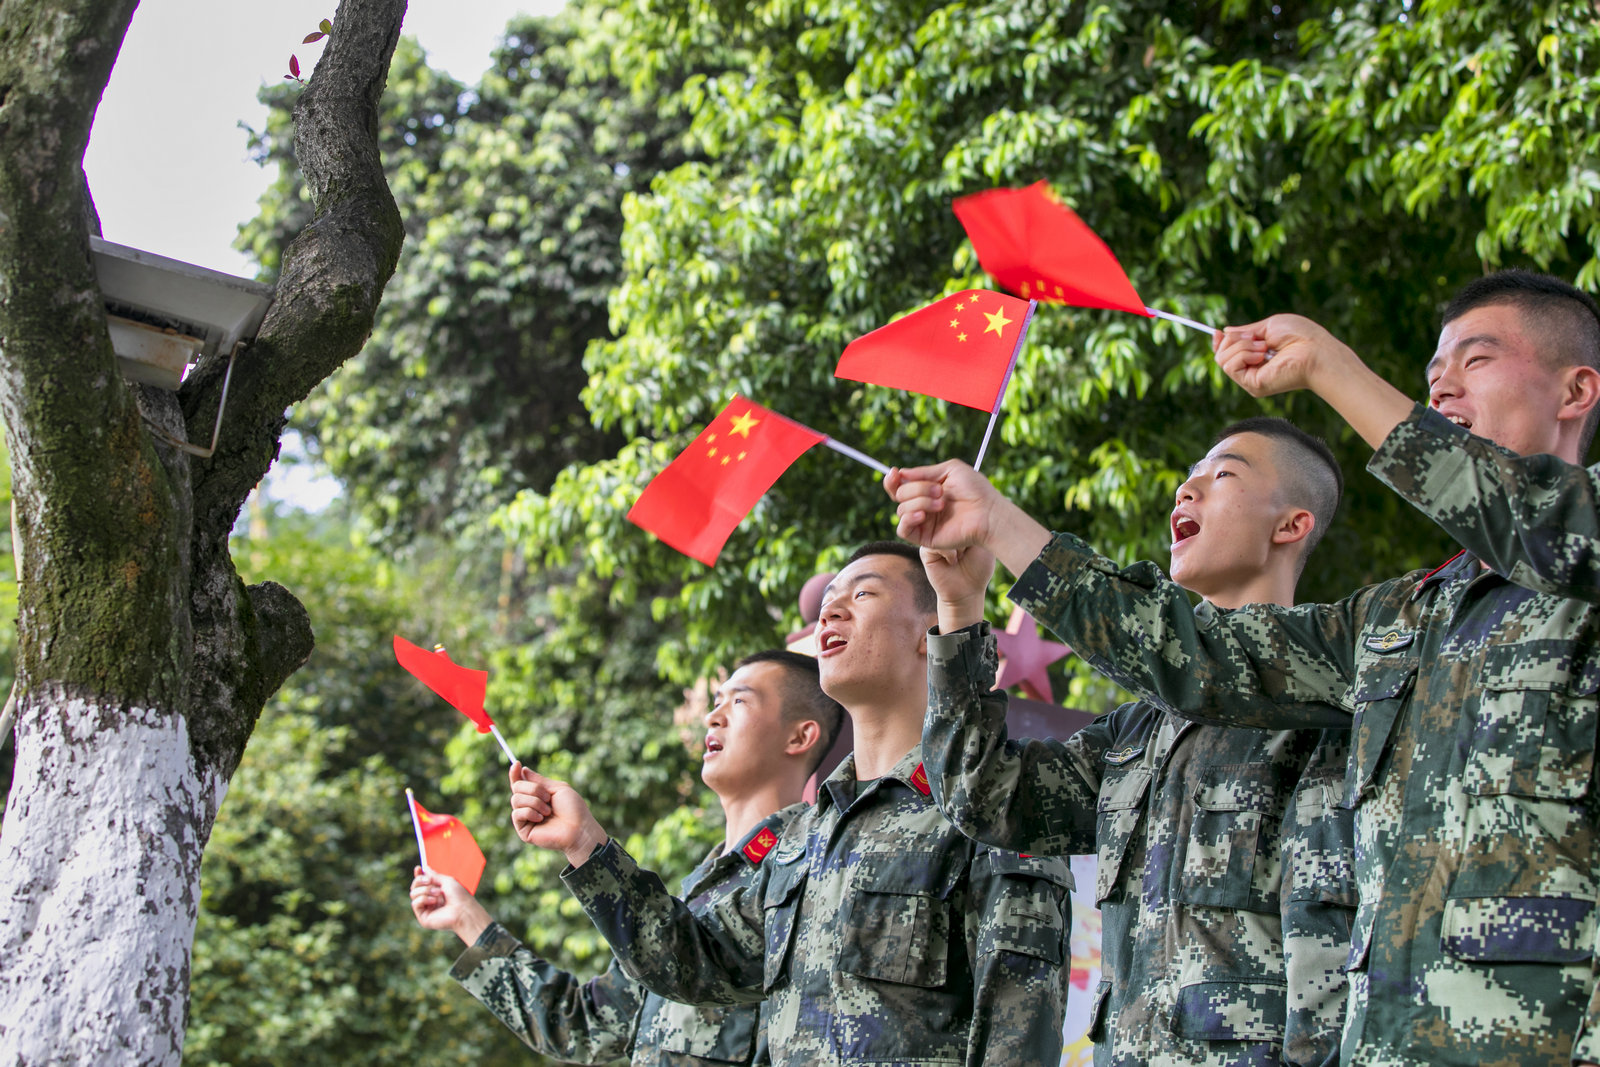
[1033, 244]
[959, 349]
[446, 845]
[462, 687]
[697, 501]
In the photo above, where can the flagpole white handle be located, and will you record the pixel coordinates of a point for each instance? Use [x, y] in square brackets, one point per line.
[859, 457]
[1181, 321]
[416, 824]
[493, 729]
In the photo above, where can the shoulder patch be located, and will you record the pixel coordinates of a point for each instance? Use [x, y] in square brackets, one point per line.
[755, 850]
[919, 779]
[1389, 641]
[1117, 757]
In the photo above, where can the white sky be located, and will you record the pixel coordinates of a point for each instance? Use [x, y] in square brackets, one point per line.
[168, 162]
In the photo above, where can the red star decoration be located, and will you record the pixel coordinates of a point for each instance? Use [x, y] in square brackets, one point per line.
[1025, 657]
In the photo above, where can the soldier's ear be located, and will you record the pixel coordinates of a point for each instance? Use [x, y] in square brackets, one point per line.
[1580, 393]
[1294, 527]
[804, 736]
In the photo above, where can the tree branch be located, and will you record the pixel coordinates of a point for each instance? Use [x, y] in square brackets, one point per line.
[333, 273]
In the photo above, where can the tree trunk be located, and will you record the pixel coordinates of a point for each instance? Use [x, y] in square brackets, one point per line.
[143, 661]
[100, 874]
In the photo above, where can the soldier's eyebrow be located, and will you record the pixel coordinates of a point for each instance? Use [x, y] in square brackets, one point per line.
[1217, 458]
[725, 691]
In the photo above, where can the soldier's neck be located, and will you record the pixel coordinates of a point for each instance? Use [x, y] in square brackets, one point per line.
[884, 734]
[1264, 588]
[741, 813]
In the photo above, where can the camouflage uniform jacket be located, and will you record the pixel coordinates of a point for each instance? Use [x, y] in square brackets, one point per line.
[878, 932]
[1192, 825]
[1472, 743]
[612, 1016]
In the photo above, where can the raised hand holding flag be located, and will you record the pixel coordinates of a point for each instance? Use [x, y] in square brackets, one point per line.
[1033, 244]
[461, 687]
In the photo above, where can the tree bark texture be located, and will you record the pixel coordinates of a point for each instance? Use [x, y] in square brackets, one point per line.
[143, 661]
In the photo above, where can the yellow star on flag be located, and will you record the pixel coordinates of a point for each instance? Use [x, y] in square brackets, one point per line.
[997, 321]
[743, 423]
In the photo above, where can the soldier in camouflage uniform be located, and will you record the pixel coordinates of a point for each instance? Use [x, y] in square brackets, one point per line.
[879, 934]
[1223, 855]
[769, 726]
[1472, 687]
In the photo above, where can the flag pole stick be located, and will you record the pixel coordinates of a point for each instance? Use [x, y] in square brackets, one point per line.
[1027, 320]
[1181, 321]
[493, 729]
[416, 824]
[859, 457]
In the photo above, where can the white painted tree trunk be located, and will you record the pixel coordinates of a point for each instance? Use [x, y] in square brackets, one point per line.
[99, 884]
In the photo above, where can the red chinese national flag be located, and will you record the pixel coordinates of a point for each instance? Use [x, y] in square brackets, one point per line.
[448, 847]
[1033, 244]
[462, 687]
[697, 501]
[957, 349]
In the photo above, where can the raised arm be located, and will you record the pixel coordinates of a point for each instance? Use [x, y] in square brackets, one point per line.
[1534, 519]
[715, 958]
[1261, 666]
[1022, 795]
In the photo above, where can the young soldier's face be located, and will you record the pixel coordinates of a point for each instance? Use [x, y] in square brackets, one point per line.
[869, 643]
[745, 730]
[1225, 517]
[1489, 376]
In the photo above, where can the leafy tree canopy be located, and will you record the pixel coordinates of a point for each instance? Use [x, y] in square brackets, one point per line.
[1353, 161]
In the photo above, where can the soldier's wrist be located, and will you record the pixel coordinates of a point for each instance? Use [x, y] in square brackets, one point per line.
[591, 840]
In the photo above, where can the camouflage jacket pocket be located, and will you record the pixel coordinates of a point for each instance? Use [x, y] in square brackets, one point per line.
[1519, 929]
[1117, 815]
[898, 926]
[1381, 688]
[721, 1035]
[1230, 1011]
[1534, 733]
[1230, 859]
[780, 903]
[1031, 907]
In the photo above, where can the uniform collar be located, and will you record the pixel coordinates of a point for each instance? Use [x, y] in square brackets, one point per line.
[755, 845]
[719, 859]
[843, 791]
[1463, 562]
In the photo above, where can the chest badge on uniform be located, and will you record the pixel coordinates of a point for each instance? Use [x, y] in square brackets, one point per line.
[1391, 641]
[1117, 757]
[793, 848]
[919, 780]
[755, 850]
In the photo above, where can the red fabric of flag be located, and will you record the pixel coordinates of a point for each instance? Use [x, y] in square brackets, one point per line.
[697, 501]
[956, 349]
[449, 848]
[1033, 244]
[463, 687]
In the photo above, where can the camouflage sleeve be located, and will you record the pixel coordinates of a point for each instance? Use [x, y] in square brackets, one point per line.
[1261, 666]
[1025, 795]
[551, 1011]
[1534, 519]
[1019, 924]
[713, 958]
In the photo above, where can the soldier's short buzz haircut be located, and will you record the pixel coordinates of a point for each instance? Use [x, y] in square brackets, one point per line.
[1309, 476]
[1564, 321]
[802, 697]
[927, 601]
